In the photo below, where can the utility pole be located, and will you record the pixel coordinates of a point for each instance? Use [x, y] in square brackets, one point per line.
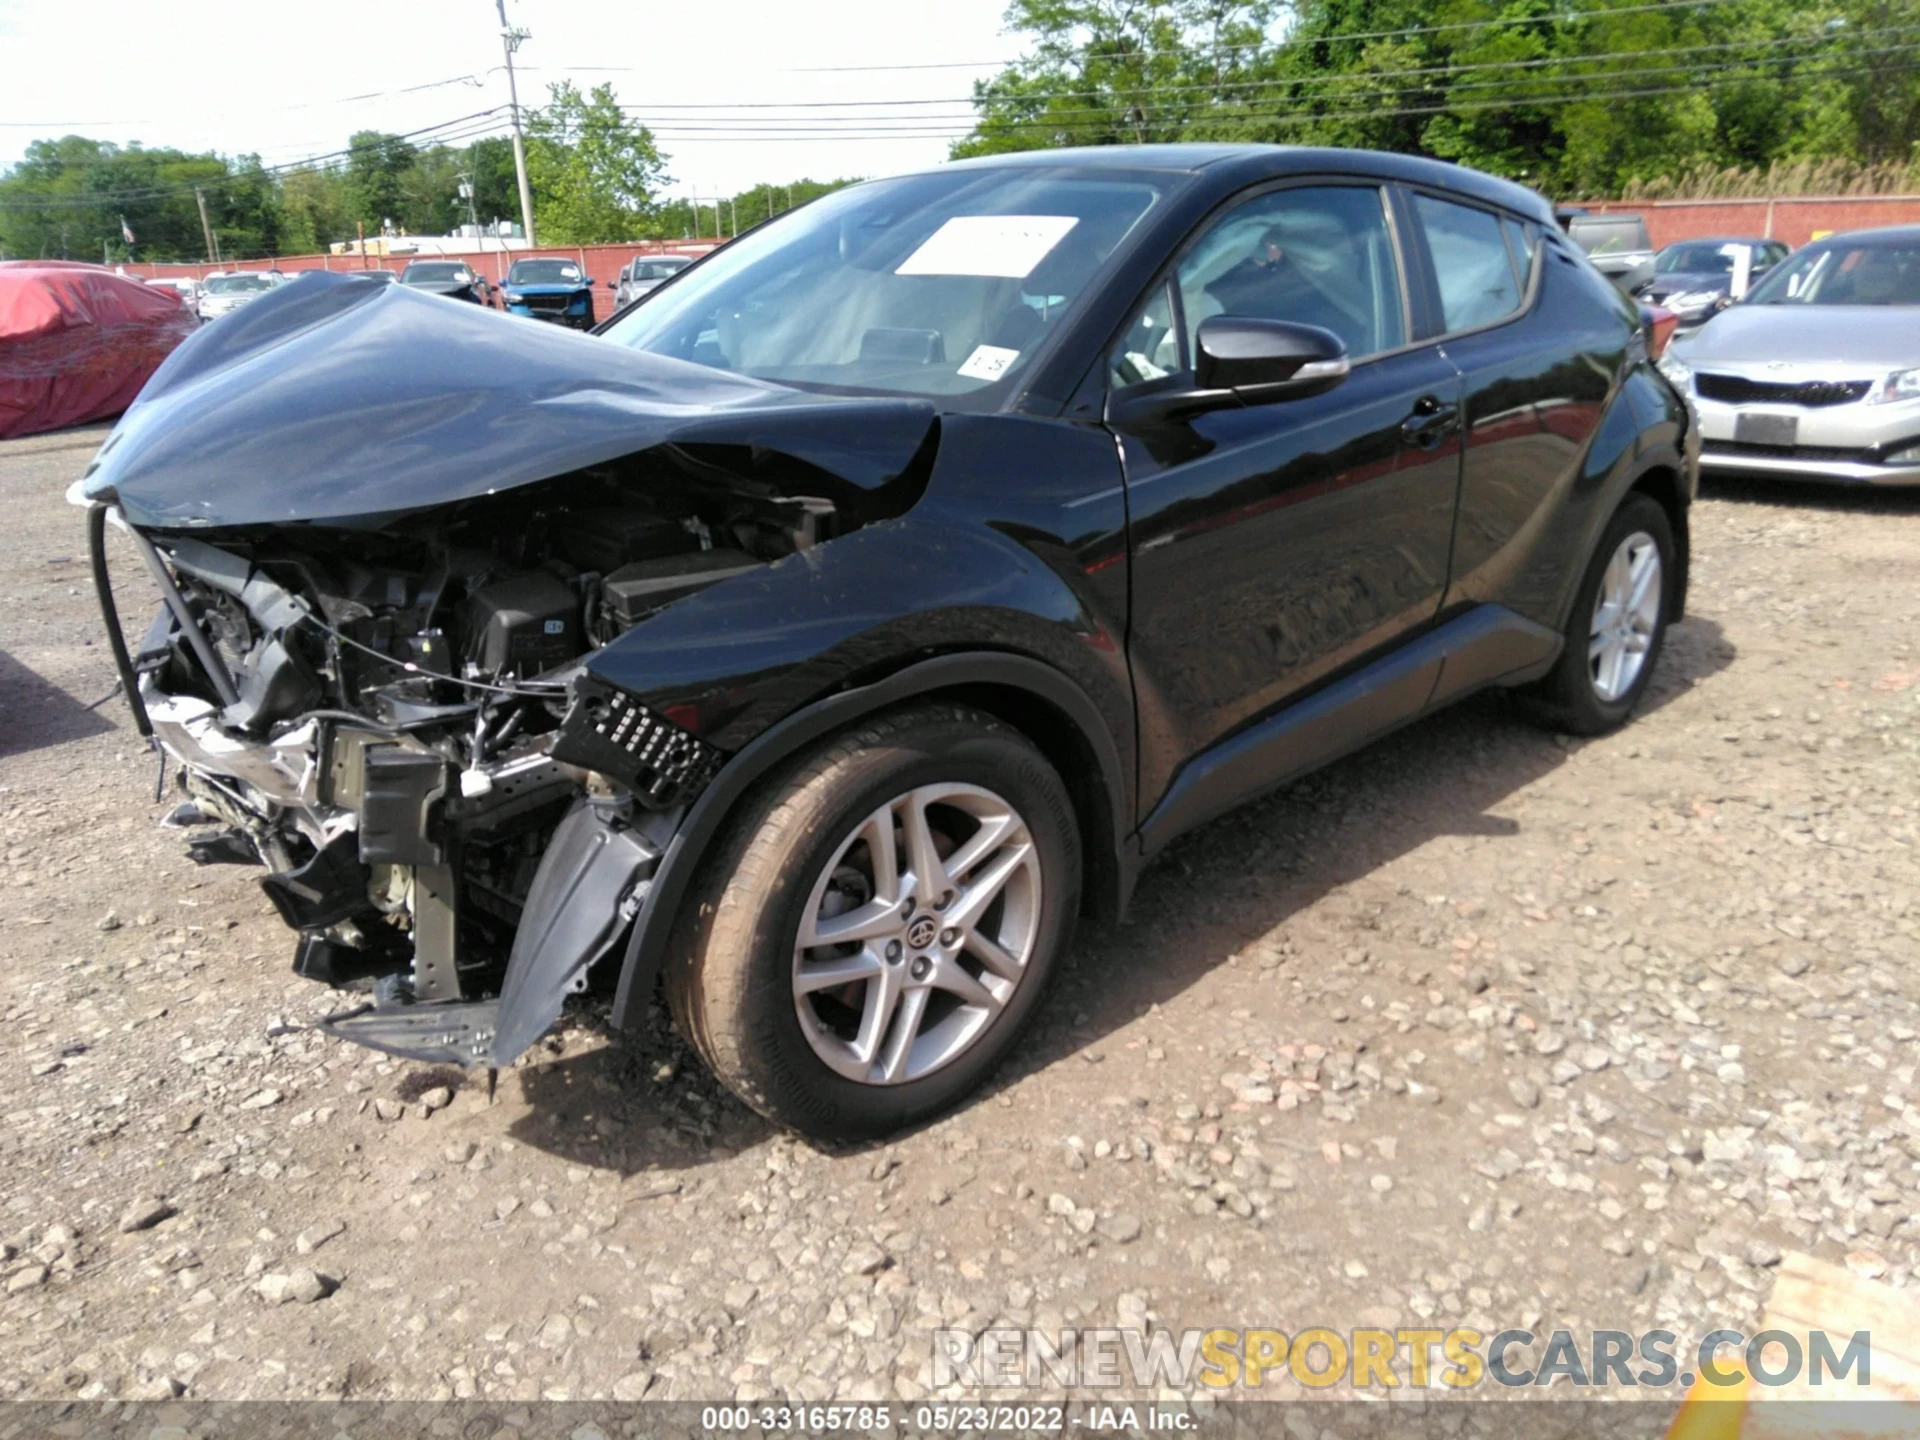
[206, 230]
[511, 38]
[466, 193]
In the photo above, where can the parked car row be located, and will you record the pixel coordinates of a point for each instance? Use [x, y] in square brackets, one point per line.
[1798, 364]
[539, 288]
[1815, 373]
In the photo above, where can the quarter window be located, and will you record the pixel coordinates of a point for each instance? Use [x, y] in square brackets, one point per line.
[1315, 255]
[1478, 283]
[1522, 241]
[1150, 348]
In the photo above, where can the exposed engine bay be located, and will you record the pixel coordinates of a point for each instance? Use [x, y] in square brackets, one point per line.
[397, 722]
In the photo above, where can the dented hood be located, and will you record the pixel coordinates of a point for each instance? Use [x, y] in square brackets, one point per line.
[334, 400]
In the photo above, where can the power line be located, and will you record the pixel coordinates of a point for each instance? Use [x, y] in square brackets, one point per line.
[476, 80]
[446, 132]
[644, 112]
[1363, 82]
[1566, 17]
[1309, 117]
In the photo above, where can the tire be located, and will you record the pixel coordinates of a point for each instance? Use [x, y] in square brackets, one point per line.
[1581, 695]
[816, 1057]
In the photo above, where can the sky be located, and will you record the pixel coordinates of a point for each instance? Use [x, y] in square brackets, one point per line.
[290, 82]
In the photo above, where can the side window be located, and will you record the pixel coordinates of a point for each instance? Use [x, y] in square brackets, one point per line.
[1316, 255]
[1151, 348]
[1470, 261]
[1522, 240]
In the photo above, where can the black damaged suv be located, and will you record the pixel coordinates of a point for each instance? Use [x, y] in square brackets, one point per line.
[830, 630]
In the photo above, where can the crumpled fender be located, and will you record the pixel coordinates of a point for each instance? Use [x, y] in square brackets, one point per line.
[335, 400]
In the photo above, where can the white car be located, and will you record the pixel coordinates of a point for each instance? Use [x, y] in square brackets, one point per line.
[1815, 374]
[185, 286]
[645, 273]
[222, 294]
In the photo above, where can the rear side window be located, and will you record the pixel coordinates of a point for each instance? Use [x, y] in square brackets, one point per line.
[1522, 240]
[1471, 261]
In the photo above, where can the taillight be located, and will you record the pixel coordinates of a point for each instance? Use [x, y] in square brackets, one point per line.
[1661, 323]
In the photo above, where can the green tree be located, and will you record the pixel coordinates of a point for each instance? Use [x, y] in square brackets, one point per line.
[313, 201]
[594, 172]
[496, 193]
[376, 165]
[1108, 72]
[68, 196]
[1588, 97]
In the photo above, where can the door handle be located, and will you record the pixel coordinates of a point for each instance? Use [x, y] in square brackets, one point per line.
[1432, 421]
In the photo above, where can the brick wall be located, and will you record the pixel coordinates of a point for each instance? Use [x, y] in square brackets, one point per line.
[1792, 218]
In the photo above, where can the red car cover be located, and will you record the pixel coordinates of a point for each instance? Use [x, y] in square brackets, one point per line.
[78, 341]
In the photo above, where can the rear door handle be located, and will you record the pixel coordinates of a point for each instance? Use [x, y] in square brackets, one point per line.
[1431, 422]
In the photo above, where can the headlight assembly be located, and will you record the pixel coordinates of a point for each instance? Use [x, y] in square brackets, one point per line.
[1677, 371]
[1692, 300]
[1901, 385]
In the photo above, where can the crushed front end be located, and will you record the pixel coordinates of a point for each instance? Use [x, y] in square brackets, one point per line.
[386, 587]
[457, 818]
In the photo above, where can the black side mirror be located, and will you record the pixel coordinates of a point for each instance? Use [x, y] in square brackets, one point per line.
[1243, 361]
[1266, 360]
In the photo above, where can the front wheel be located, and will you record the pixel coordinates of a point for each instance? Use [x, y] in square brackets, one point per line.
[1617, 627]
[881, 923]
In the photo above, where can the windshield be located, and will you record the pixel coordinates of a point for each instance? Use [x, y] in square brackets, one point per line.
[544, 272]
[658, 269]
[436, 273]
[237, 284]
[938, 284]
[1852, 272]
[1703, 259]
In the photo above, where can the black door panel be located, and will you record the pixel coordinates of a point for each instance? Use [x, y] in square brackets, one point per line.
[1277, 545]
[1536, 390]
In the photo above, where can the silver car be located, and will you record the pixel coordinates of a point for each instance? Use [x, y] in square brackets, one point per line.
[1816, 373]
[223, 294]
[1617, 244]
[648, 272]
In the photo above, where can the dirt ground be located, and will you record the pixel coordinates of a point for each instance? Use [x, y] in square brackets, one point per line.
[1478, 1025]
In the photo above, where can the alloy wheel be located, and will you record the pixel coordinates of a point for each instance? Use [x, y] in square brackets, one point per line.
[917, 933]
[1626, 612]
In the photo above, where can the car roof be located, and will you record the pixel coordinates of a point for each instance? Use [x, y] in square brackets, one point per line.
[1257, 162]
[1724, 240]
[1892, 234]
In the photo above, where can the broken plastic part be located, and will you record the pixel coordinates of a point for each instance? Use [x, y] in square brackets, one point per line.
[581, 902]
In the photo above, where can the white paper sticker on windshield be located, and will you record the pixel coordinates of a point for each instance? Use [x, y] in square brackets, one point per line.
[988, 362]
[1004, 245]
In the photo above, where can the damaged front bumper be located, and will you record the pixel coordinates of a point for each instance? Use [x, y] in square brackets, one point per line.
[404, 871]
[378, 896]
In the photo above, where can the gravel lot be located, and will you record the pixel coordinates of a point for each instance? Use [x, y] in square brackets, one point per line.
[1478, 1025]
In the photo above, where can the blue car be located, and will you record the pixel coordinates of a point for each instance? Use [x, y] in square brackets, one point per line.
[556, 290]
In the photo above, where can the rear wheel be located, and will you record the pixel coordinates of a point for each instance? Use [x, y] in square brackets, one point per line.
[881, 923]
[1617, 627]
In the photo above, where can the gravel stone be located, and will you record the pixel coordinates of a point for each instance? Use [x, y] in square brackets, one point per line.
[144, 1213]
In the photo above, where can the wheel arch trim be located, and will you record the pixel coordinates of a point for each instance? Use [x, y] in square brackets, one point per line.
[975, 675]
